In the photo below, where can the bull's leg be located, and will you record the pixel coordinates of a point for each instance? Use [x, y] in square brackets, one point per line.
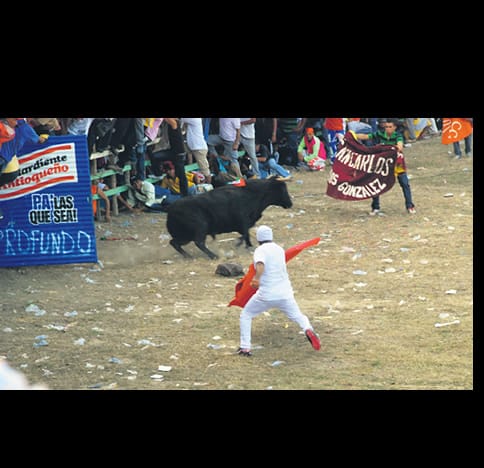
[201, 245]
[246, 237]
[179, 248]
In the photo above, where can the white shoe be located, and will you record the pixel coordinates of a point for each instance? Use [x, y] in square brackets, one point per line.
[374, 212]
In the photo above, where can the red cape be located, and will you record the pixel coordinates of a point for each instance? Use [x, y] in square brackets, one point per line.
[244, 291]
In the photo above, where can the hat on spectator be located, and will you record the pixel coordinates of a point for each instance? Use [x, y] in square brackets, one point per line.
[310, 131]
[264, 233]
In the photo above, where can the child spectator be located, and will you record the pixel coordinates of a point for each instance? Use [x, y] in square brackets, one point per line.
[99, 187]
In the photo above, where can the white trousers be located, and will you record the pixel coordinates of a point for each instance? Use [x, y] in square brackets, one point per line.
[256, 306]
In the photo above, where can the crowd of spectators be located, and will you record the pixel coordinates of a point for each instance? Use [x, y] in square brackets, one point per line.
[225, 149]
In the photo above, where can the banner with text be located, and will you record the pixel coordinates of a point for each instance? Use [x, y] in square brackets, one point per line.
[360, 172]
[455, 129]
[47, 210]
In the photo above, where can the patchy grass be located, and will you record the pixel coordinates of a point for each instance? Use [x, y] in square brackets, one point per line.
[377, 330]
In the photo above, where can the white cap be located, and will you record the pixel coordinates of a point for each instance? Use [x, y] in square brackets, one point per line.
[264, 233]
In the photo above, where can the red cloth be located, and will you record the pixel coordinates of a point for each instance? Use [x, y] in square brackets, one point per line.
[244, 291]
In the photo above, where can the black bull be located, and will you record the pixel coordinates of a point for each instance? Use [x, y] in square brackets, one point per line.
[225, 209]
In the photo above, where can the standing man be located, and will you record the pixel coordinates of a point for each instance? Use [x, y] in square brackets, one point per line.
[197, 145]
[229, 137]
[247, 138]
[274, 290]
[390, 136]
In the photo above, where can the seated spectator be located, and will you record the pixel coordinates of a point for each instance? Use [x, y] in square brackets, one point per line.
[171, 182]
[222, 170]
[245, 164]
[148, 195]
[311, 151]
[268, 163]
[170, 147]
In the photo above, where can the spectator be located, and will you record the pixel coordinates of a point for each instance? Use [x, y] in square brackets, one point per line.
[266, 132]
[170, 147]
[77, 126]
[467, 144]
[289, 130]
[268, 163]
[222, 170]
[311, 151]
[335, 126]
[45, 126]
[390, 136]
[138, 151]
[178, 152]
[172, 182]
[14, 134]
[7, 133]
[197, 145]
[99, 188]
[229, 137]
[99, 134]
[23, 134]
[247, 138]
[153, 197]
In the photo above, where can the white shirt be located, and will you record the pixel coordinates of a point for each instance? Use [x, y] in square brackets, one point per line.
[247, 131]
[195, 139]
[147, 195]
[79, 126]
[274, 282]
[228, 128]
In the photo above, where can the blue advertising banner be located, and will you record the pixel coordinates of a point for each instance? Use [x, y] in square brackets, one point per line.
[47, 210]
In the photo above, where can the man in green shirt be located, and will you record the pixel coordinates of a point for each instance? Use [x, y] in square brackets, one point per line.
[390, 136]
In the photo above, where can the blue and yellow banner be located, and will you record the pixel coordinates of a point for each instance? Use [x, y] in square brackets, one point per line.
[47, 210]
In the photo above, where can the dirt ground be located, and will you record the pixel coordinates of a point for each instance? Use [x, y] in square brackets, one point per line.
[391, 297]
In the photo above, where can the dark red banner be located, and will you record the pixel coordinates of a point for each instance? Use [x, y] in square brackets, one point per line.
[360, 172]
